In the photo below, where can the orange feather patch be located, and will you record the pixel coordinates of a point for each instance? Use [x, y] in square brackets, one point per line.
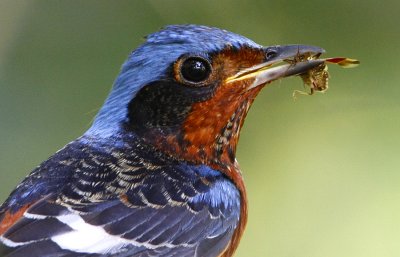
[10, 218]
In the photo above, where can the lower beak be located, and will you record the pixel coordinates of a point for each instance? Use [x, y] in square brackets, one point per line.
[293, 60]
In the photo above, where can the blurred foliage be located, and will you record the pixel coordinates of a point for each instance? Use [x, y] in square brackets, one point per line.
[322, 172]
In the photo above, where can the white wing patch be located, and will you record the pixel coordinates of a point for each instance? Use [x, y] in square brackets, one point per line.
[87, 238]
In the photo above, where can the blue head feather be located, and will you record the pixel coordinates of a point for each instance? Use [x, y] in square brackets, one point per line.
[150, 62]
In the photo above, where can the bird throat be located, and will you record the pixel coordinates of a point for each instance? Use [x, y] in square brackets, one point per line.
[210, 132]
[212, 129]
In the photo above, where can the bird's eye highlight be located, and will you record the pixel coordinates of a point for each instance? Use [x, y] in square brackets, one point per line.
[195, 69]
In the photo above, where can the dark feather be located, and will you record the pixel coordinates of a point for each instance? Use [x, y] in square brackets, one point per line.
[177, 208]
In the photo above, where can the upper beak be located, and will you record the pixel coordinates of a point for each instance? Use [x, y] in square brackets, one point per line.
[295, 62]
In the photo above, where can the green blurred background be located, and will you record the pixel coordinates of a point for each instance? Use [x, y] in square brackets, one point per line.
[322, 172]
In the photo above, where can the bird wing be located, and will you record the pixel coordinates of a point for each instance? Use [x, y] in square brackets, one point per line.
[171, 212]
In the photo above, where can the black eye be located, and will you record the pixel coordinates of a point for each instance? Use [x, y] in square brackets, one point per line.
[195, 69]
[271, 53]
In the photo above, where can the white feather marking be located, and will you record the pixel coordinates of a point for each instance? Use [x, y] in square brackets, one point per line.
[87, 238]
[11, 243]
[34, 216]
[94, 239]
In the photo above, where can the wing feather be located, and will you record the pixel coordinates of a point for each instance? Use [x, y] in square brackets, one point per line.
[123, 207]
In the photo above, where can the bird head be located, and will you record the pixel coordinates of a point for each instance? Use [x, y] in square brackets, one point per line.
[188, 88]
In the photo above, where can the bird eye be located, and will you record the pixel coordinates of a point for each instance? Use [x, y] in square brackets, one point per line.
[271, 53]
[195, 69]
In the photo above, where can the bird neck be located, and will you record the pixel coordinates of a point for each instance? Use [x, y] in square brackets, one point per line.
[208, 135]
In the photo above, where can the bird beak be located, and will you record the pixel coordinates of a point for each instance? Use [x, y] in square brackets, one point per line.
[281, 62]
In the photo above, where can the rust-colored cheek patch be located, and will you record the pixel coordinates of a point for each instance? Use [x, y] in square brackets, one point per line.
[212, 128]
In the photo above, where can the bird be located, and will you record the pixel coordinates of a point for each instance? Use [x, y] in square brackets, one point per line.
[156, 173]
